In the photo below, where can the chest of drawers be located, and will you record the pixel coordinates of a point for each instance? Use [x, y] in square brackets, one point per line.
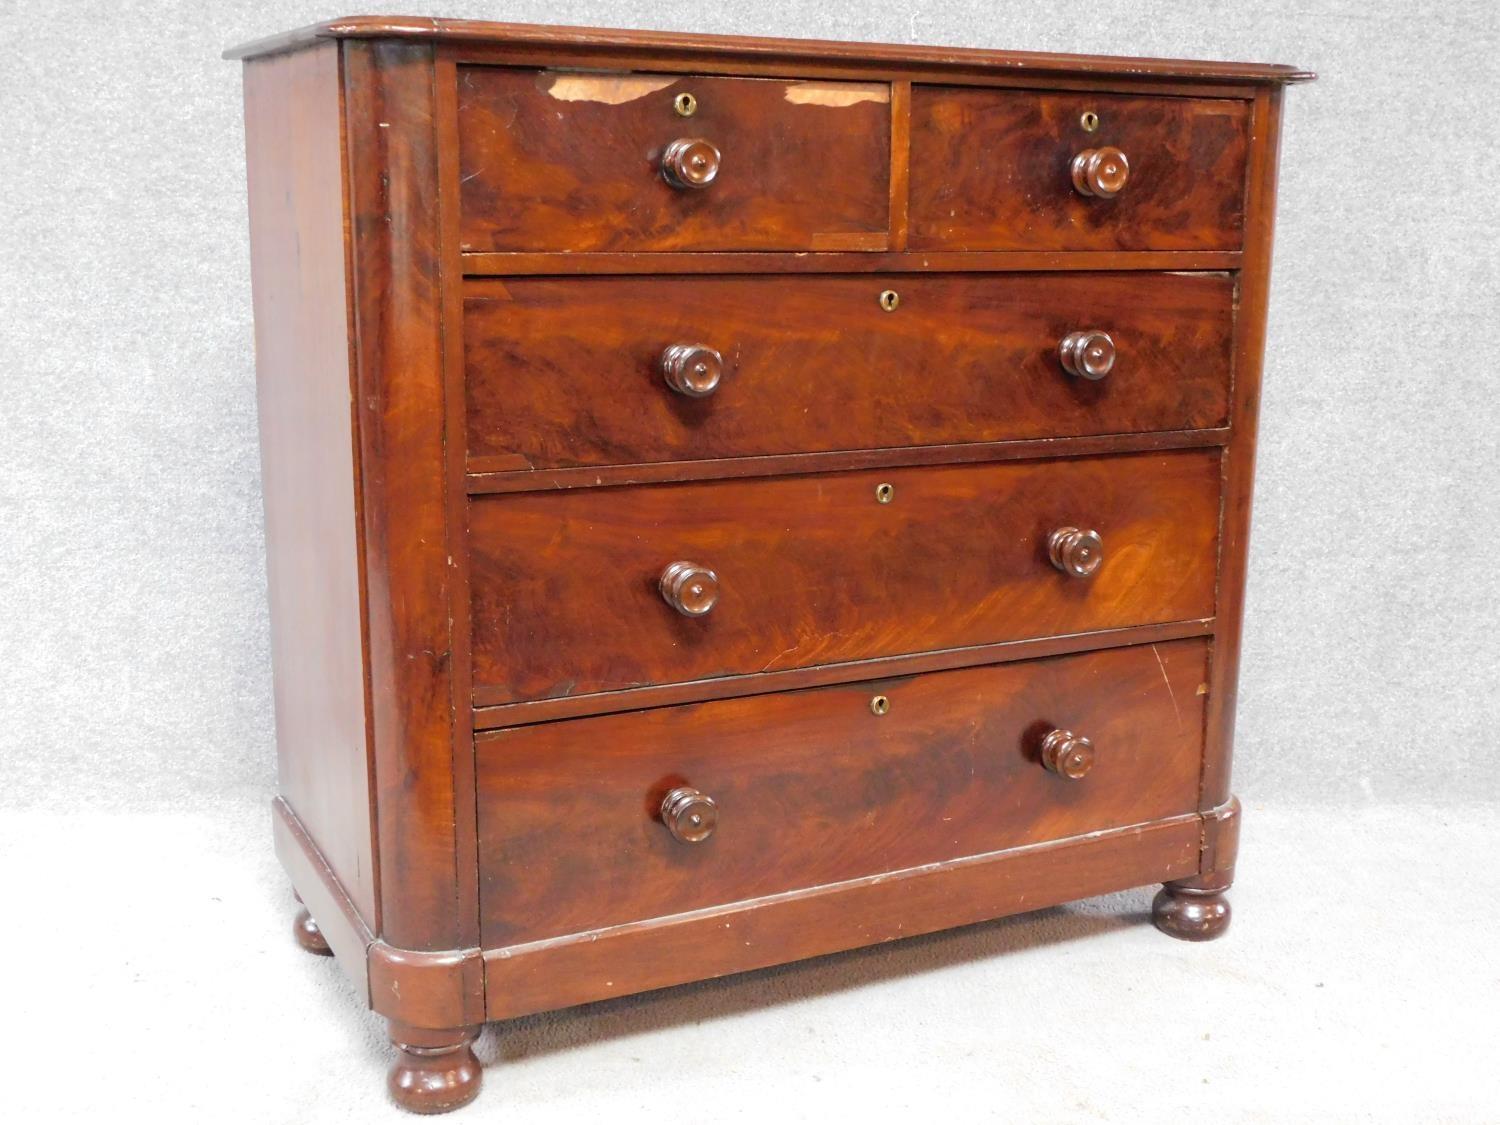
[733, 500]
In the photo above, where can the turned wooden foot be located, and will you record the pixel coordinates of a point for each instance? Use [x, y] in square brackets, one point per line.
[308, 936]
[1193, 909]
[435, 1071]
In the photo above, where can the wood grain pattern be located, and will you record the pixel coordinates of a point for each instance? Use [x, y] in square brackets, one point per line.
[304, 396]
[564, 371]
[990, 171]
[517, 264]
[814, 788]
[450, 310]
[563, 161]
[900, 162]
[498, 716]
[397, 287]
[813, 570]
[881, 908]
[499, 474]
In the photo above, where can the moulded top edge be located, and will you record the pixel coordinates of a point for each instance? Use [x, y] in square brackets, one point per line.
[475, 33]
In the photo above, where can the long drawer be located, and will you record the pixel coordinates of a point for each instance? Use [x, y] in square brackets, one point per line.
[581, 371]
[574, 592]
[814, 787]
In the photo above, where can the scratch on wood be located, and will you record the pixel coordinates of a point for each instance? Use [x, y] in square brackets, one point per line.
[1172, 695]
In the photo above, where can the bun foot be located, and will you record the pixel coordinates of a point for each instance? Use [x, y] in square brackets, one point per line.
[308, 936]
[1192, 909]
[435, 1071]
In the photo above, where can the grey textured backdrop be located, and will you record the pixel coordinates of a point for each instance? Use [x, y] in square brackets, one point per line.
[132, 587]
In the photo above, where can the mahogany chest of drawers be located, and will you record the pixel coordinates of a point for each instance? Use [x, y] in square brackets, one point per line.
[732, 500]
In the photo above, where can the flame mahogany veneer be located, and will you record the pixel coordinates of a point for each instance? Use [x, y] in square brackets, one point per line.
[733, 500]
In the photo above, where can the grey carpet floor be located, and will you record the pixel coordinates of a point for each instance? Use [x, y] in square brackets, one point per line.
[150, 970]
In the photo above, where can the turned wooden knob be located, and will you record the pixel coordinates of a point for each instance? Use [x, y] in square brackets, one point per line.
[1067, 755]
[692, 369]
[690, 589]
[689, 815]
[1089, 354]
[690, 162]
[1076, 551]
[1100, 172]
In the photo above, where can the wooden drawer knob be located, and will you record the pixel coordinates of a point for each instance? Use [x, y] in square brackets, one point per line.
[690, 162]
[692, 369]
[1100, 172]
[1089, 354]
[689, 815]
[690, 589]
[1067, 755]
[1076, 551]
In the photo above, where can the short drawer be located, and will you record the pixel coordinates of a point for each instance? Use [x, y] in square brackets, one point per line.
[567, 161]
[571, 588]
[995, 170]
[590, 371]
[814, 787]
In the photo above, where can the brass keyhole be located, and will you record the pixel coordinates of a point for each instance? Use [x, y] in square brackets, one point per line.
[879, 705]
[685, 104]
[889, 300]
[885, 493]
[1089, 121]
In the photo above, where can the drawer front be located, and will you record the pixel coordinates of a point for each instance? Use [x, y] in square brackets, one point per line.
[575, 371]
[813, 787]
[567, 586]
[992, 170]
[551, 160]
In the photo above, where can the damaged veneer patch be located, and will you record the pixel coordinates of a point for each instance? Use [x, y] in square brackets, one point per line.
[609, 89]
[837, 94]
[617, 89]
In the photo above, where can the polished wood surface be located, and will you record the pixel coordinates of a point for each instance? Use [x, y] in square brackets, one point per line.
[497, 716]
[1099, 172]
[815, 570]
[1077, 552]
[1192, 909]
[814, 787]
[524, 264]
[567, 371]
[558, 160]
[826, 54]
[1068, 755]
[890, 906]
[435, 1069]
[819, 472]
[1239, 459]
[307, 934]
[991, 170]
[304, 397]
[325, 898]
[411, 626]
[489, 476]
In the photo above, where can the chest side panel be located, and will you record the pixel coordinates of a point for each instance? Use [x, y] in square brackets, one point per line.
[305, 401]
